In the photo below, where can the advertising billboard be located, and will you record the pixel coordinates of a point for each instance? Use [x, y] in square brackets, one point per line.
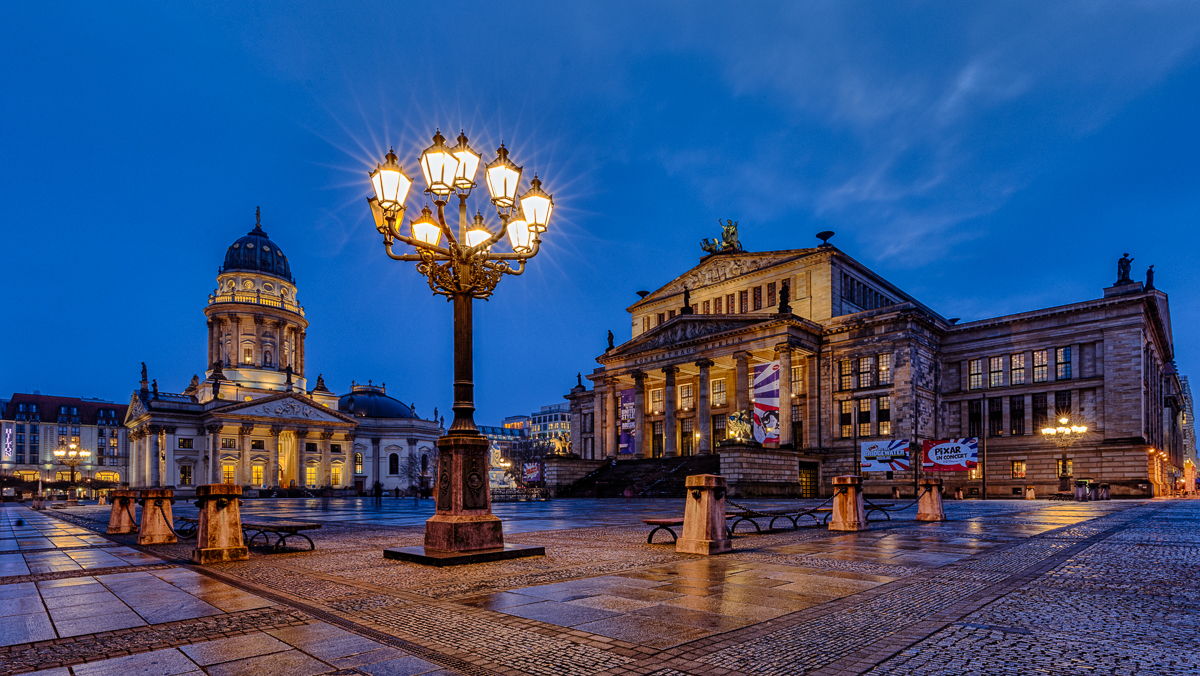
[885, 456]
[950, 455]
[627, 442]
[531, 471]
[766, 402]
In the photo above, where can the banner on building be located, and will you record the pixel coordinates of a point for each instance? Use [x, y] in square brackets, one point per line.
[766, 402]
[950, 455]
[531, 471]
[8, 443]
[885, 456]
[627, 443]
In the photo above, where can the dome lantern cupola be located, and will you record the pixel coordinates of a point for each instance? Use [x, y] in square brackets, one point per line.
[257, 253]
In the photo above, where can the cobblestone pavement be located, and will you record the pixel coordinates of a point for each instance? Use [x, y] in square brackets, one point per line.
[1004, 587]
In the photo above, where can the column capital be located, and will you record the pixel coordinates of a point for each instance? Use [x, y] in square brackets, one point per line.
[670, 370]
[246, 429]
[213, 428]
[639, 376]
[155, 429]
[783, 347]
[275, 431]
[326, 434]
[302, 432]
[705, 363]
[742, 355]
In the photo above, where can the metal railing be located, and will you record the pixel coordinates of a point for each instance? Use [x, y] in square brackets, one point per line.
[255, 298]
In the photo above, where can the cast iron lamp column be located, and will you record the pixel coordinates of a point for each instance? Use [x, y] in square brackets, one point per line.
[1064, 437]
[72, 457]
[464, 269]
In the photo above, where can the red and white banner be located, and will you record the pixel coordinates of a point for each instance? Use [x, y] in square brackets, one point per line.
[950, 455]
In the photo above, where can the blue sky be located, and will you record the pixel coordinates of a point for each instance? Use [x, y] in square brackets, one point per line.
[987, 157]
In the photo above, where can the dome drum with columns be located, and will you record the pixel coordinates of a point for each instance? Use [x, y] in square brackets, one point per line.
[254, 420]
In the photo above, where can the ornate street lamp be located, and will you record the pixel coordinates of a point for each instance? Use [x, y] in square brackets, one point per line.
[72, 457]
[464, 268]
[1064, 436]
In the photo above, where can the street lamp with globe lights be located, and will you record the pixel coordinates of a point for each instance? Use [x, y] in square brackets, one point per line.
[1064, 436]
[464, 268]
[72, 457]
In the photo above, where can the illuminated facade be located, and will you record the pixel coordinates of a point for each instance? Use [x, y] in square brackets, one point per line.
[254, 419]
[32, 426]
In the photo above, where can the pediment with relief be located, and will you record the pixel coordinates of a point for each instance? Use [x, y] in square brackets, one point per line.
[136, 409]
[681, 330]
[722, 267]
[288, 408]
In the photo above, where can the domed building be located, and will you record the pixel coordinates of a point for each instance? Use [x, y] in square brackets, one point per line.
[254, 420]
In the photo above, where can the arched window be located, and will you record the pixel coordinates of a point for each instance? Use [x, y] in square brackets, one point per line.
[393, 464]
[358, 463]
[424, 463]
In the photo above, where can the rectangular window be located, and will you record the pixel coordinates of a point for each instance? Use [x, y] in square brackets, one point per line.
[185, 475]
[797, 427]
[257, 445]
[797, 379]
[227, 473]
[656, 401]
[687, 436]
[185, 443]
[257, 473]
[1018, 469]
[1062, 363]
[310, 476]
[662, 317]
[771, 300]
[864, 417]
[758, 297]
[975, 374]
[1039, 366]
[846, 420]
[670, 314]
[686, 401]
[883, 410]
[718, 393]
[112, 442]
[866, 367]
[706, 308]
[1016, 373]
[227, 442]
[310, 447]
[718, 428]
[1040, 414]
[645, 323]
[1062, 404]
[974, 418]
[743, 301]
[883, 367]
[995, 417]
[996, 372]
[717, 305]
[1016, 414]
[336, 476]
[845, 376]
[729, 308]
[335, 448]
[656, 448]
[248, 355]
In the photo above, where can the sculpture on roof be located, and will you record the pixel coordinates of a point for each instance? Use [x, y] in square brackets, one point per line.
[1150, 278]
[729, 239]
[687, 302]
[154, 384]
[785, 290]
[144, 378]
[610, 339]
[1123, 266]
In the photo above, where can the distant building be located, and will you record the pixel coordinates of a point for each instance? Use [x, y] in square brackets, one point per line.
[517, 422]
[254, 420]
[33, 426]
[852, 358]
[1189, 438]
[552, 421]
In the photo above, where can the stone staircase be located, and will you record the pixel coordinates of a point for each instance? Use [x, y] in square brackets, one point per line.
[648, 478]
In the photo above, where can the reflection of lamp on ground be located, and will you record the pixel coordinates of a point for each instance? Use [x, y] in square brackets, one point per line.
[1064, 436]
[72, 457]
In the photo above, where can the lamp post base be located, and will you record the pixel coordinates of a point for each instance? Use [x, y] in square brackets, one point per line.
[464, 521]
[451, 533]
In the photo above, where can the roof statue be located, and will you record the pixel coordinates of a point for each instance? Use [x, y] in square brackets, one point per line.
[1150, 278]
[144, 378]
[154, 384]
[687, 302]
[610, 339]
[785, 291]
[728, 242]
[1123, 266]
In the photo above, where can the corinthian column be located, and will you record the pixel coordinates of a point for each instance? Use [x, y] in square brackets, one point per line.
[784, 351]
[612, 421]
[670, 445]
[641, 439]
[703, 412]
[741, 388]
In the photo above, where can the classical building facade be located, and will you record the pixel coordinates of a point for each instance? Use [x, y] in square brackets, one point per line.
[860, 360]
[33, 426]
[253, 420]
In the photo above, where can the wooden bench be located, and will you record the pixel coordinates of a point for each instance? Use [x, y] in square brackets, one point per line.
[739, 517]
[662, 524]
[1061, 495]
[881, 507]
[187, 526]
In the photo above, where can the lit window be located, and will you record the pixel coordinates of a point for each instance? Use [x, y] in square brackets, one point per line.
[975, 374]
[310, 476]
[864, 418]
[846, 421]
[227, 473]
[883, 409]
[845, 376]
[865, 367]
[685, 396]
[883, 367]
[336, 477]
[1040, 358]
[1018, 469]
[248, 356]
[256, 472]
[185, 443]
[1062, 362]
[797, 379]
[656, 401]
[718, 392]
[995, 371]
[185, 475]
[358, 463]
[1016, 374]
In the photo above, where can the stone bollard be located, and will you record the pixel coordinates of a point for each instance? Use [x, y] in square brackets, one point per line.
[219, 534]
[1105, 493]
[101, 501]
[849, 513]
[155, 526]
[929, 505]
[1030, 493]
[120, 515]
[1080, 491]
[958, 493]
[704, 517]
[895, 492]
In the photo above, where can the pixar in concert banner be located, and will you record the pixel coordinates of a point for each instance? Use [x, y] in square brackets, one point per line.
[950, 455]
